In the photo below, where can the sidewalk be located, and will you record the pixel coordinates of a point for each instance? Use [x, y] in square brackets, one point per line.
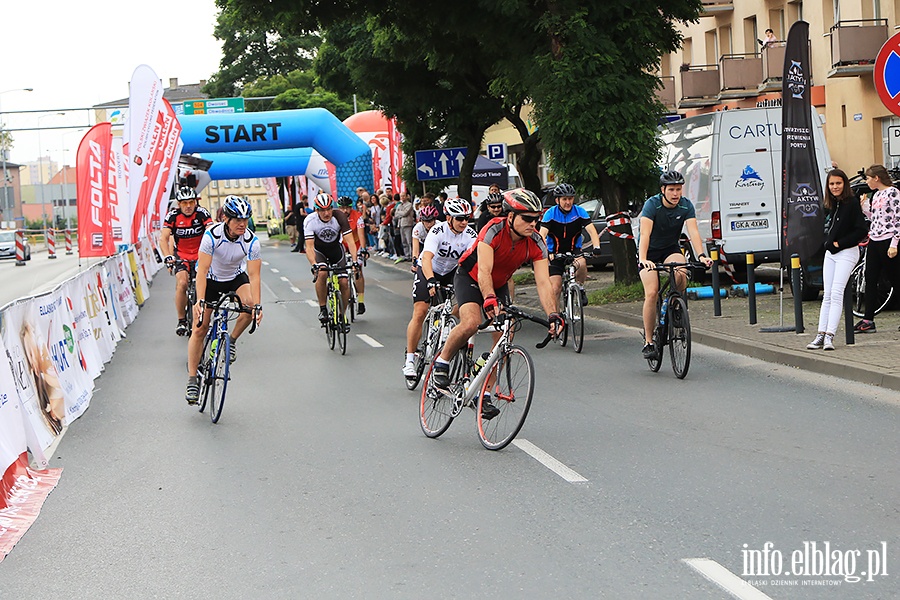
[874, 358]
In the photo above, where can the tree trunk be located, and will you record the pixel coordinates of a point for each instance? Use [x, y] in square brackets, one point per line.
[624, 251]
[529, 161]
[473, 147]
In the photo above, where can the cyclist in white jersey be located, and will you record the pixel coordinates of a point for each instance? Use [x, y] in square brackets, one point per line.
[228, 261]
[444, 244]
[324, 230]
[427, 216]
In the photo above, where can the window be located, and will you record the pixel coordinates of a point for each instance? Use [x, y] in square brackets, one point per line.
[712, 47]
[751, 35]
[227, 183]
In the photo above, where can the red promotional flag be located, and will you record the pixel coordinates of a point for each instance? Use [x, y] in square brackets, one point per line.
[92, 181]
[162, 144]
[396, 151]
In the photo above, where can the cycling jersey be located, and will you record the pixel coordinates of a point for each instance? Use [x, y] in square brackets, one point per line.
[507, 256]
[228, 257]
[356, 221]
[447, 246]
[328, 236]
[564, 228]
[187, 231]
[420, 232]
[667, 222]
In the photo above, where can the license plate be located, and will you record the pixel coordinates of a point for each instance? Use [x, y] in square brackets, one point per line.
[750, 224]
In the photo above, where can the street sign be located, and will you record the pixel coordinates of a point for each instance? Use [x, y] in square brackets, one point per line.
[439, 164]
[496, 152]
[894, 140]
[213, 106]
[887, 74]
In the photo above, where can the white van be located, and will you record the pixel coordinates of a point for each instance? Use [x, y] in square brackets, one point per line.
[731, 162]
[480, 192]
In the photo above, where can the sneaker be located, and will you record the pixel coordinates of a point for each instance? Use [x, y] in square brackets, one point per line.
[649, 352]
[488, 410]
[192, 392]
[232, 353]
[817, 343]
[409, 370]
[361, 308]
[864, 326]
[584, 298]
[182, 329]
[440, 377]
[828, 343]
[399, 260]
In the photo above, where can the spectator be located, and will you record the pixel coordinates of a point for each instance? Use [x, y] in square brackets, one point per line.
[299, 211]
[290, 226]
[405, 217]
[386, 234]
[769, 41]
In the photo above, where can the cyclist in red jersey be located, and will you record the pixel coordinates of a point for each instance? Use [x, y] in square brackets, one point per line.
[180, 236]
[505, 244]
[358, 233]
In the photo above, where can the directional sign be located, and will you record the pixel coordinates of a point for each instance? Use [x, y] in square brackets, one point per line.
[496, 152]
[894, 140]
[213, 106]
[439, 164]
[887, 74]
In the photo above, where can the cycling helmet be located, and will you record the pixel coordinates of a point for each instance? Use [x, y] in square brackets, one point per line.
[671, 178]
[457, 207]
[563, 190]
[494, 199]
[520, 200]
[345, 201]
[322, 202]
[428, 213]
[236, 207]
[185, 192]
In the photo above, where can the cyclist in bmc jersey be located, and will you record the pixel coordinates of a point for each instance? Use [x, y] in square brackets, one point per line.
[180, 236]
[228, 261]
[663, 218]
[504, 245]
[445, 243]
[358, 231]
[324, 230]
[561, 227]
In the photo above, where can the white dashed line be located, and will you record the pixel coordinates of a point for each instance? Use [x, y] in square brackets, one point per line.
[274, 270]
[295, 290]
[548, 461]
[286, 279]
[369, 340]
[265, 263]
[386, 289]
[725, 579]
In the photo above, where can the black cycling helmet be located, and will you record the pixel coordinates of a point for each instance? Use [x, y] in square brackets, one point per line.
[495, 199]
[671, 178]
[345, 201]
[564, 190]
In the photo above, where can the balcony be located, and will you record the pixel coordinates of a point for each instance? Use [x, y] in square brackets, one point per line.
[855, 45]
[773, 67]
[666, 92]
[741, 75]
[711, 8]
[699, 86]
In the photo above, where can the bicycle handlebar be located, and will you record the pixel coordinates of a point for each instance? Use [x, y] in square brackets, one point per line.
[517, 313]
[231, 297]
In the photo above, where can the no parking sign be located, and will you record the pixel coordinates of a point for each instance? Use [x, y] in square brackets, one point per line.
[887, 74]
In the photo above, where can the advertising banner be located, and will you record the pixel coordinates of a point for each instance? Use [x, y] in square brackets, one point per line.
[22, 494]
[396, 139]
[73, 292]
[119, 207]
[92, 165]
[801, 194]
[99, 311]
[271, 186]
[143, 112]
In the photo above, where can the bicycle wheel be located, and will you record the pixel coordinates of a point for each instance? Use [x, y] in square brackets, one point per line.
[563, 304]
[656, 363]
[511, 392]
[331, 328]
[204, 371]
[858, 289]
[679, 336]
[351, 305]
[342, 333]
[435, 408]
[576, 317]
[219, 380]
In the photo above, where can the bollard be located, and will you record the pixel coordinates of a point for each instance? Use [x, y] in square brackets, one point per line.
[848, 314]
[717, 301]
[68, 241]
[20, 248]
[50, 235]
[798, 293]
[751, 286]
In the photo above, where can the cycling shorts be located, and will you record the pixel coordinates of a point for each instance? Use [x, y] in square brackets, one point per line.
[660, 256]
[467, 290]
[558, 266]
[183, 266]
[420, 284]
[214, 289]
[335, 259]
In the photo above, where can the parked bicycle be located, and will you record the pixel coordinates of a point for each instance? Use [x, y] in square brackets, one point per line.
[439, 320]
[336, 326]
[571, 305]
[506, 379]
[215, 364]
[673, 324]
[857, 286]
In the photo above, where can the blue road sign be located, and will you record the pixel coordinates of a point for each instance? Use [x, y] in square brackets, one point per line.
[496, 152]
[443, 163]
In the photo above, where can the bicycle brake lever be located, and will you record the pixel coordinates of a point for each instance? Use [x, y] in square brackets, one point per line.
[545, 342]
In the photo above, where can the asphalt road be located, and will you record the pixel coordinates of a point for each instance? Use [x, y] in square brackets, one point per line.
[38, 275]
[318, 483]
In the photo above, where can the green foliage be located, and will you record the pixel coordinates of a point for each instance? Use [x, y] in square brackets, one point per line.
[619, 292]
[525, 277]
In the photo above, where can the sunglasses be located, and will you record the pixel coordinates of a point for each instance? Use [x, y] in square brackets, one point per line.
[529, 218]
[497, 206]
[463, 219]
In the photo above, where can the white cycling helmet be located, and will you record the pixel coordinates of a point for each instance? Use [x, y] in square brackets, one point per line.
[457, 207]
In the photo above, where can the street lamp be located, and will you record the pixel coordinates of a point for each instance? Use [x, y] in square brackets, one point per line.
[41, 166]
[3, 149]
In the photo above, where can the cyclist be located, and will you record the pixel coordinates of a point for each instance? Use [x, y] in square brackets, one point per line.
[228, 261]
[480, 284]
[324, 230]
[427, 216]
[663, 218]
[445, 243]
[492, 208]
[180, 236]
[561, 227]
[358, 231]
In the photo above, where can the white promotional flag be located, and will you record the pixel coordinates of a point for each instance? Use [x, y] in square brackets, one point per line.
[144, 104]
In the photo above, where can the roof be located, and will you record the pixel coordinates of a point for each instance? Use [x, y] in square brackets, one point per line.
[58, 178]
[190, 91]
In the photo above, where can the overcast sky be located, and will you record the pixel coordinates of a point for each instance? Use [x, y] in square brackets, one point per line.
[77, 53]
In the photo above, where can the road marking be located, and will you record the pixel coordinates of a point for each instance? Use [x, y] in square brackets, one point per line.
[313, 303]
[286, 279]
[369, 340]
[386, 289]
[725, 579]
[295, 290]
[265, 263]
[274, 270]
[548, 461]
[268, 289]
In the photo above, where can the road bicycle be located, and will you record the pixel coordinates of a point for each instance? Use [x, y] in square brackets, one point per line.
[191, 267]
[673, 324]
[336, 325]
[356, 273]
[214, 371]
[439, 320]
[506, 380]
[571, 305]
[857, 286]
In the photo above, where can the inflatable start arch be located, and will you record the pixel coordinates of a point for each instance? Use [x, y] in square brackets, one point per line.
[278, 144]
